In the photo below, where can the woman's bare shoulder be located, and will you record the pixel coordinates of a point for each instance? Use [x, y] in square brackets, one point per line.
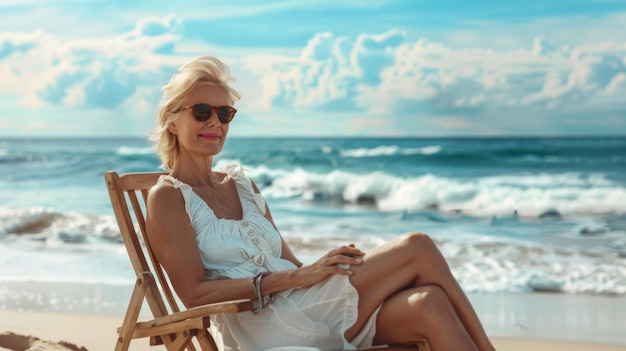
[164, 194]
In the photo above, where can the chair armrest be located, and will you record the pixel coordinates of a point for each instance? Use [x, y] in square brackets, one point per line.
[234, 306]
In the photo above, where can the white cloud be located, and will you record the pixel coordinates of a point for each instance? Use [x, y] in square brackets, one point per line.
[91, 72]
[15, 43]
[330, 70]
[157, 26]
[390, 74]
[19, 53]
[387, 82]
[617, 85]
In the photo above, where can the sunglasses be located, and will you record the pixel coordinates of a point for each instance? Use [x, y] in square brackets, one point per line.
[202, 112]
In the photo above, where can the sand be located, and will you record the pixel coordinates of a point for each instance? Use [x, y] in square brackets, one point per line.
[98, 332]
[57, 316]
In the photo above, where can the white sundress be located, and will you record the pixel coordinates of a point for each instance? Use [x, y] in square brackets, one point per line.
[316, 316]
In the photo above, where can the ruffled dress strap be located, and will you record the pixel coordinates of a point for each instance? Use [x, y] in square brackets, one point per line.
[237, 173]
[177, 183]
[185, 189]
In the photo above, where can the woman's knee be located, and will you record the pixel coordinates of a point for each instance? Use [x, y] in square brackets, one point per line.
[419, 243]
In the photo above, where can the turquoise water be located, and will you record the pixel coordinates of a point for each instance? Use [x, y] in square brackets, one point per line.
[510, 214]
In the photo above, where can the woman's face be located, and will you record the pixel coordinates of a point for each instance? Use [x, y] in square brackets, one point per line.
[202, 138]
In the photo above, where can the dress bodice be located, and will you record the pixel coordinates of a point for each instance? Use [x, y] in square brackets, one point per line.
[234, 248]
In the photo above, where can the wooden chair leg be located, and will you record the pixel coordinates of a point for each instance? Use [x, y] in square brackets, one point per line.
[191, 346]
[132, 313]
[183, 339]
[206, 341]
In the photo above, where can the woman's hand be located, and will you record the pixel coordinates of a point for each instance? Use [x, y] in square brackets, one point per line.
[329, 264]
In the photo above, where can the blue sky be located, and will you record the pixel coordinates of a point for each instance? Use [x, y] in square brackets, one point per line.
[316, 68]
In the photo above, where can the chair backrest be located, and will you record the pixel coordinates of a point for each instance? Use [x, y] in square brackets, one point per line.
[130, 191]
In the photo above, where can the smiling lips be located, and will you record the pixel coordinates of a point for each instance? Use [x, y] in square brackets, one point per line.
[210, 136]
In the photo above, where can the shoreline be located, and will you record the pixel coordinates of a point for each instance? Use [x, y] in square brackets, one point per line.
[98, 309]
[553, 316]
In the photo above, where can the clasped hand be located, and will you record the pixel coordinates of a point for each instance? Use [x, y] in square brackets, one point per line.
[331, 263]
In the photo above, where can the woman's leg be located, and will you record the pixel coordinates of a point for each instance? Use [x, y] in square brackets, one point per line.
[410, 261]
[418, 313]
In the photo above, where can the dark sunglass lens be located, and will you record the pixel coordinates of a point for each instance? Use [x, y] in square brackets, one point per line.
[202, 112]
[225, 113]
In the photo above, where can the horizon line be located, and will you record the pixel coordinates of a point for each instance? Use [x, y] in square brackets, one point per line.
[460, 136]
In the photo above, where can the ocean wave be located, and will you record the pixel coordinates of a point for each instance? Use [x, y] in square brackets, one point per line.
[46, 240]
[524, 194]
[133, 151]
[509, 215]
[389, 151]
[52, 227]
[497, 266]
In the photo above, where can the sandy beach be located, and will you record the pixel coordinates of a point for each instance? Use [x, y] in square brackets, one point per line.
[98, 332]
[86, 316]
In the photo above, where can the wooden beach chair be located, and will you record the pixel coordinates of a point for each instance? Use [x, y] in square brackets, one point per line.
[170, 326]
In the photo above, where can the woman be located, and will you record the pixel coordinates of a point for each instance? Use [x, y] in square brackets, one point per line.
[215, 236]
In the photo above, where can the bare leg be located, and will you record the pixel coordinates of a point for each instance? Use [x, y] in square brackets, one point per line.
[432, 317]
[408, 262]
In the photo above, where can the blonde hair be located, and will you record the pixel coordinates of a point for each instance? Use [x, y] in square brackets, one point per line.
[204, 69]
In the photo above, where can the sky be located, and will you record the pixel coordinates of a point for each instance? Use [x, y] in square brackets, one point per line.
[320, 68]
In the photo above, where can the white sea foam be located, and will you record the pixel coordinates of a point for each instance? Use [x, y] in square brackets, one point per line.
[53, 228]
[75, 247]
[427, 150]
[483, 264]
[129, 151]
[496, 266]
[364, 152]
[389, 151]
[525, 194]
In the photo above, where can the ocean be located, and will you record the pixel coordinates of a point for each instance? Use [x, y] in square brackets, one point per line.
[514, 215]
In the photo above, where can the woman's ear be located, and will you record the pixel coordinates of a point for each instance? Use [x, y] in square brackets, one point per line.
[172, 127]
